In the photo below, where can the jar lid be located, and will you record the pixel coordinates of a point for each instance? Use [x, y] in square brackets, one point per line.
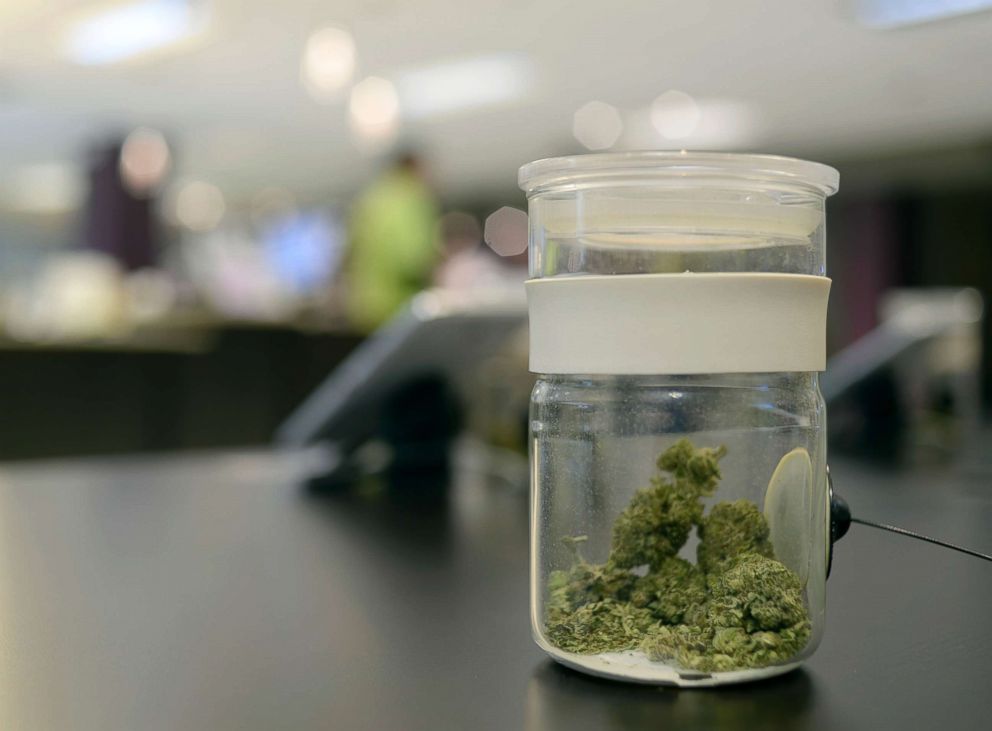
[673, 165]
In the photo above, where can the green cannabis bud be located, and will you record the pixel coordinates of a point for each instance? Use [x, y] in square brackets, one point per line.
[754, 617]
[659, 519]
[604, 626]
[687, 645]
[730, 530]
[654, 526]
[587, 583]
[756, 593]
[675, 593]
[738, 607]
[699, 466]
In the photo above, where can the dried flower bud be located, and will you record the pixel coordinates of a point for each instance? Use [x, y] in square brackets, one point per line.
[730, 530]
[756, 593]
[739, 608]
[654, 526]
[606, 626]
[672, 593]
[659, 519]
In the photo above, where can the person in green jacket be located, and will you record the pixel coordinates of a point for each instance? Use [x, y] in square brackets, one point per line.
[393, 244]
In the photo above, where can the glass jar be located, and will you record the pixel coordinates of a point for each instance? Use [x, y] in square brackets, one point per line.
[679, 515]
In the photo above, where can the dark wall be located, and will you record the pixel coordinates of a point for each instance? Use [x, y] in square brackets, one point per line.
[933, 239]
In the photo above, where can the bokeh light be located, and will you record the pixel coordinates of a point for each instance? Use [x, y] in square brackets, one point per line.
[200, 206]
[374, 109]
[597, 125]
[145, 161]
[328, 63]
[506, 231]
[675, 115]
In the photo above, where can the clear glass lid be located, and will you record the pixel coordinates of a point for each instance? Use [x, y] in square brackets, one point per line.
[612, 168]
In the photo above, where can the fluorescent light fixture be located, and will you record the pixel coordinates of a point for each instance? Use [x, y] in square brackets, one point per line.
[681, 121]
[462, 84]
[884, 14]
[123, 31]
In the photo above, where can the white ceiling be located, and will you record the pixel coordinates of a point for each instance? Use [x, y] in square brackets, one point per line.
[819, 84]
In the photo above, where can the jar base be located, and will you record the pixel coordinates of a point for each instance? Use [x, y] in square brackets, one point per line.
[635, 667]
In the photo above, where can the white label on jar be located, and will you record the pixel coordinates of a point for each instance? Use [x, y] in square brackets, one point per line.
[686, 323]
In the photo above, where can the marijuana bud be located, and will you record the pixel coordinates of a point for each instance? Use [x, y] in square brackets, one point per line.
[756, 593]
[605, 626]
[686, 645]
[673, 593]
[732, 529]
[676, 458]
[659, 519]
[654, 526]
[700, 467]
[738, 608]
[586, 583]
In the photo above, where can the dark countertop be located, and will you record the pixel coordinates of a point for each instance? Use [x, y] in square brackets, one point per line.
[213, 592]
[64, 400]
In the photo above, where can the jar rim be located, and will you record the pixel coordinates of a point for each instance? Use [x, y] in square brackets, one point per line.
[554, 172]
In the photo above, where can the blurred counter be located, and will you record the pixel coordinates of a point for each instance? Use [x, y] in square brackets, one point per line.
[190, 380]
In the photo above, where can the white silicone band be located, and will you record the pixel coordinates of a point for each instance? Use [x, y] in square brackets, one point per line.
[678, 323]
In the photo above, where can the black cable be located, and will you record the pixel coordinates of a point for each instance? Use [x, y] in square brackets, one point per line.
[928, 539]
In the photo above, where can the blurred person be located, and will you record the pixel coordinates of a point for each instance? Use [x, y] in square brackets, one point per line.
[392, 248]
[467, 262]
[117, 221]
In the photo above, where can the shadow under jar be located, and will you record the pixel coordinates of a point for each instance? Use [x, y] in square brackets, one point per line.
[679, 516]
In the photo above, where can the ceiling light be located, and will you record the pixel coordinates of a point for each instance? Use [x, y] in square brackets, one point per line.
[894, 13]
[328, 62]
[145, 160]
[597, 125]
[675, 115]
[464, 84]
[120, 32]
[374, 109]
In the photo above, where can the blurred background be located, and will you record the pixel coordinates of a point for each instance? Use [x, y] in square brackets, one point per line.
[206, 205]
